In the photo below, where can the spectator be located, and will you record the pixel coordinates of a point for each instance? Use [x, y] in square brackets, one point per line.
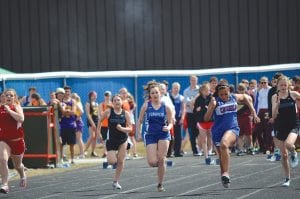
[178, 102]
[36, 100]
[91, 109]
[189, 94]
[103, 106]
[27, 99]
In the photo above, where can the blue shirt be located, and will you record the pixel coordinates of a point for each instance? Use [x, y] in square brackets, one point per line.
[155, 119]
[225, 115]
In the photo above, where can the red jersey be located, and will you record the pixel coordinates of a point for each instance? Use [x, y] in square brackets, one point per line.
[8, 125]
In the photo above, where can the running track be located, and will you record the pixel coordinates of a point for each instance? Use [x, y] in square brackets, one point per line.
[252, 177]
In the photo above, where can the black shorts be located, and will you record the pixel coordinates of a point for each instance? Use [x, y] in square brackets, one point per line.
[68, 136]
[104, 131]
[112, 145]
[95, 119]
[282, 135]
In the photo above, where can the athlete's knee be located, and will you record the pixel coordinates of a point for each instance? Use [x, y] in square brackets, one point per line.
[289, 145]
[284, 156]
[112, 160]
[153, 163]
[161, 160]
[224, 145]
[19, 166]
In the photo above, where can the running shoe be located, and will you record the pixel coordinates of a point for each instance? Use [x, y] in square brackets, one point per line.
[240, 153]
[160, 188]
[4, 189]
[294, 159]
[225, 181]
[23, 182]
[116, 185]
[286, 182]
[94, 154]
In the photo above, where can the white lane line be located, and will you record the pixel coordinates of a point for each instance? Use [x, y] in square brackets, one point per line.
[261, 189]
[209, 185]
[169, 181]
[98, 185]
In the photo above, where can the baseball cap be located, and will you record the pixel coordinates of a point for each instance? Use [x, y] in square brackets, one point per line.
[107, 93]
[60, 90]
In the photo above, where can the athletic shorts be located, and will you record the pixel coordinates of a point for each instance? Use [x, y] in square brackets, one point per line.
[245, 125]
[113, 145]
[16, 147]
[79, 125]
[68, 136]
[205, 125]
[217, 135]
[95, 119]
[283, 135]
[104, 131]
[151, 138]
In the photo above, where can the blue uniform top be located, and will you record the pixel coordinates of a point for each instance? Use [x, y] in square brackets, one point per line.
[155, 119]
[225, 115]
[177, 101]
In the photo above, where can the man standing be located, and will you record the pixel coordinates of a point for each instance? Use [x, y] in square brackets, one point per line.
[189, 94]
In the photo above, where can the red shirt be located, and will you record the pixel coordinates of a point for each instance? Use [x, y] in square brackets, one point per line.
[8, 125]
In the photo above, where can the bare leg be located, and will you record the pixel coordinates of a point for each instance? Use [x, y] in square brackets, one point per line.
[80, 142]
[228, 140]
[162, 149]
[4, 156]
[284, 159]
[120, 161]
[17, 161]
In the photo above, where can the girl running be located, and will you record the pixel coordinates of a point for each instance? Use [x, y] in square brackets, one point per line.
[157, 137]
[225, 129]
[287, 124]
[119, 125]
[12, 143]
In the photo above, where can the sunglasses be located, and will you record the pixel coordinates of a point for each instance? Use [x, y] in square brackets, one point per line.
[263, 82]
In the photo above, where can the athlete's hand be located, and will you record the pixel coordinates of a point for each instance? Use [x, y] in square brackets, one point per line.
[119, 127]
[6, 107]
[256, 119]
[213, 103]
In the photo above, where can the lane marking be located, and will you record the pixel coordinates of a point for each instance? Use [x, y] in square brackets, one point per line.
[261, 189]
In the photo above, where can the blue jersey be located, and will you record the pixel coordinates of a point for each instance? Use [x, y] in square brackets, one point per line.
[225, 115]
[155, 119]
[177, 101]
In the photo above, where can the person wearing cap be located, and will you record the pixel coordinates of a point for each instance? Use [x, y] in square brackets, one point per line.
[27, 99]
[68, 122]
[103, 106]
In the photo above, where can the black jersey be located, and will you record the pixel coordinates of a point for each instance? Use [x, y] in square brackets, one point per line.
[113, 120]
[287, 118]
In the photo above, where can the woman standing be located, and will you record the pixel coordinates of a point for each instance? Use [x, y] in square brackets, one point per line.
[79, 123]
[200, 108]
[91, 109]
[225, 129]
[287, 124]
[106, 104]
[157, 137]
[119, 126]
[12, 143]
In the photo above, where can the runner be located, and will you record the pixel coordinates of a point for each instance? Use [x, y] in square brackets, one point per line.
[287, 124]
[157, 137]
[119, 125]
[12, 143]
[225, 129]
